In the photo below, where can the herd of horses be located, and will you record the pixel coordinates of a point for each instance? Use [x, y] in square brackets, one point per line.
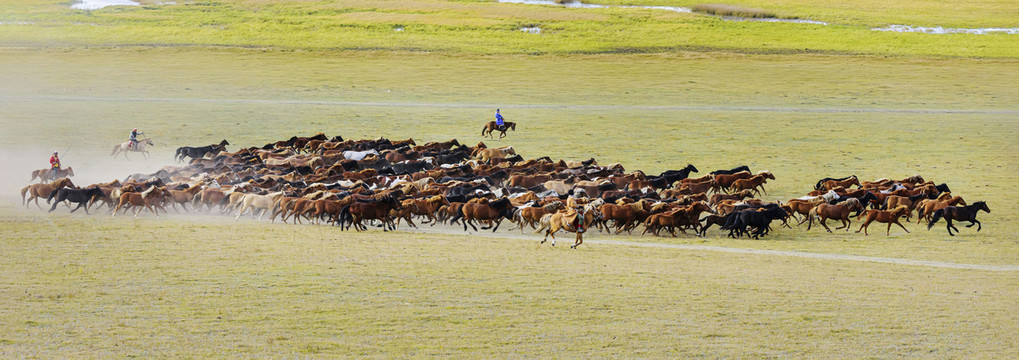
[383, 183]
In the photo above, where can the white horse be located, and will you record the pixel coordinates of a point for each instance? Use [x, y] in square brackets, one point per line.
[358, 155]
[126, 146]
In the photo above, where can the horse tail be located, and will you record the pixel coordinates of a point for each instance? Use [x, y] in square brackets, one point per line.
[483, 128]
[24, 191]
[810, 217]
[115, 148]
[818, 186]
[934, 218]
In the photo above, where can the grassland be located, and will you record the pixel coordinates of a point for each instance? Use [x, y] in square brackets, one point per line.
[194, 286]
[138, 288]
[470, 27]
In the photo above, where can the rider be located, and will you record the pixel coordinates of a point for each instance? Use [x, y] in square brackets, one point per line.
[134, 138]
[499, 122]
[54, 165]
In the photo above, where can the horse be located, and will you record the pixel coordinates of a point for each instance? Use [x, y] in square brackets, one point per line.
[888, 217]
[730, 171]
[926, 208]
[359, 155]
[47, 175]
[965, 213]
[759, 219]
[147, 198]
[80, 196]
[36, 191]
[255, 202]
[488, 212]
[532, 215]
[844, 183]
[199, 152]
[126, 146]
[358, 211]
[552, 223]
[491, 126]
[821, 182]
[750, 184]
[839, 212]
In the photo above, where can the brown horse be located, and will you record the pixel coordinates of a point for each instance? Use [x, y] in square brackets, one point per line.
[376, 210]
[803, 207]
[888, 217]
[625, 217]
[926, 208]
[149, 199]
[532, 215]
[831, 184]
[754, 182]
[838, 212]
[488, 212]
[681, 218]
[724, 181]
[36, 191]
[491, 126]
[47, 175]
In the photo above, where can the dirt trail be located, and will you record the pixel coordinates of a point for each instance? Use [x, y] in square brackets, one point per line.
[521, 106]
[601, 240]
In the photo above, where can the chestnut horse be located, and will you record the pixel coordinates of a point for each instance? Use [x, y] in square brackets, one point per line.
[491, 126]
[888, 217]
[839, 212]
[36, 191]
[965, 213]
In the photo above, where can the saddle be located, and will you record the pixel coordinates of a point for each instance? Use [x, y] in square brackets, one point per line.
[574, 219]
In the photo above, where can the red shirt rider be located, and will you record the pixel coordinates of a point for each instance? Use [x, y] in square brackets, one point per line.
[54, 161]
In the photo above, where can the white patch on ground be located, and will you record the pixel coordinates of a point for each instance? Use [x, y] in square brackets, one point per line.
[99, 4]
[944, 30]
[531, 30]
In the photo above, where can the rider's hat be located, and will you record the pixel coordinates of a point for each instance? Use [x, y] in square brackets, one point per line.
[54, 152]
[135, 129]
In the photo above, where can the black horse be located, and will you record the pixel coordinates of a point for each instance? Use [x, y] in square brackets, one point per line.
[676, 175]
[819, 182]
[80, 196]
[738, 223]
[199, 152]
[731, 171]
[964, 213]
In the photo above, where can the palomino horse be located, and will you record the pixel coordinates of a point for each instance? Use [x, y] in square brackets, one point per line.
[47, 175]
[491, 126]
[566, 221]
[964, 213]
[126, 146]
[889, 217]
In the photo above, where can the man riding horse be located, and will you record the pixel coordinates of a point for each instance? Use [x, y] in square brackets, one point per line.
[54, 166]
[499, 121]
[134, 138]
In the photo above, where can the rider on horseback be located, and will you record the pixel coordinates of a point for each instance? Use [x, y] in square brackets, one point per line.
[499, 121]
[54, 165]
[134, 138]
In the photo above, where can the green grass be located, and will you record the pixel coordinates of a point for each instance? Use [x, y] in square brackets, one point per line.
[474, 28]
[207, 288]
[731, 10]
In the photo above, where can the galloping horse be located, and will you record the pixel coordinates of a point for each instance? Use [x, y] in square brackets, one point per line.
[126, 146]
[965, 213]
[889, 217]
[491, 126]
[838, 212]
[45, 175]
[200, 152]
[560, 221]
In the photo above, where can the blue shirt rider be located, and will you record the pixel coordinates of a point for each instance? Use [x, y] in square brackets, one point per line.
[499, 120]
[134, 138]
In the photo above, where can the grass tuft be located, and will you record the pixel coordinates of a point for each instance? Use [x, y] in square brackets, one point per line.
[733, 10]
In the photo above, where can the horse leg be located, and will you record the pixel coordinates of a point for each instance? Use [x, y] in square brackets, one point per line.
[948, 224]
[978, 224]
[823, 224]
[497, 223]
[580, 240]
[900, 225]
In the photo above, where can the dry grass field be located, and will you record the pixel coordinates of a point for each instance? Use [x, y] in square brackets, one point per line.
[206, 286]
